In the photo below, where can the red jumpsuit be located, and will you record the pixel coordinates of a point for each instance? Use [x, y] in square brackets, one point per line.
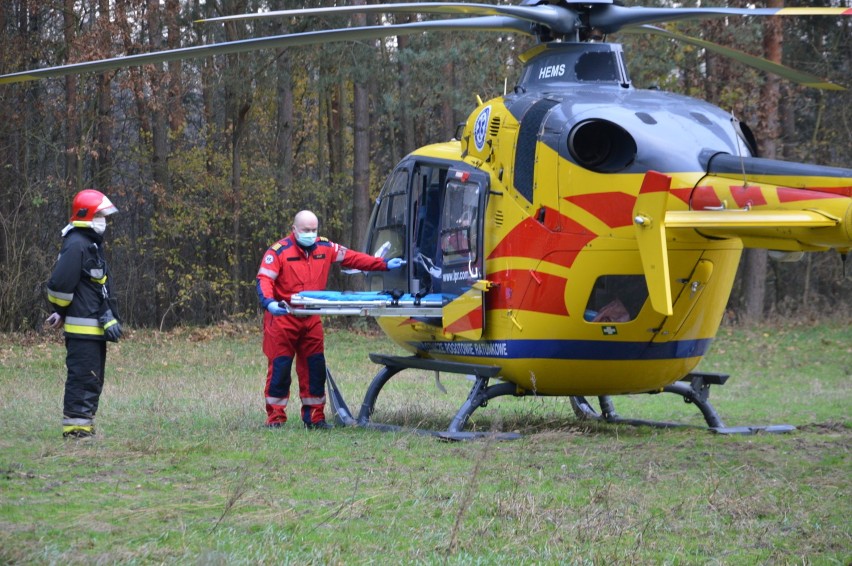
[288, 268]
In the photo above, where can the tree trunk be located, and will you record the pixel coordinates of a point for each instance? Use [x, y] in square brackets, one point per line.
[156, 107]
[714, 76]
[237, 188]
[207, 66]
[406, 122]
[175, 94]
[103, 161]
[322, 100]
[361, 153]
[238, 101]
[335, 130]
[159, 104]
[72, 127]
[447, 114]
[788, 129]
[757, 260]
[771, 91]
[361, 173]
[755, 264]
[284, 125]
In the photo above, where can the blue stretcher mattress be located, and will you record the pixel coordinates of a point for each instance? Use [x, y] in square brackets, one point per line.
[432, 299]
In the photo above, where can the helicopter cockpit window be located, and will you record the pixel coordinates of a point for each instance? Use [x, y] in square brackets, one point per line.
[458, 222]
[389, 231]
[616, 298]
[597, 66]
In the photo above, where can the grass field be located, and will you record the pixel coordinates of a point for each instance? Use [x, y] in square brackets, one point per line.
[181, 471]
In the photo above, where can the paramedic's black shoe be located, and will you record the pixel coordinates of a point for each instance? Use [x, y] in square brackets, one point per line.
[319, 425]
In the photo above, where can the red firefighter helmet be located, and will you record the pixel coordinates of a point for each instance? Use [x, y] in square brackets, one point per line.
[88, 203]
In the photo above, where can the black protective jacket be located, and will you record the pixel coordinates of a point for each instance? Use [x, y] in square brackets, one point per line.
[79, 287]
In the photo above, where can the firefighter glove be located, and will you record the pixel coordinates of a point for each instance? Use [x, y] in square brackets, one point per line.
[112, 328]
[54, 321]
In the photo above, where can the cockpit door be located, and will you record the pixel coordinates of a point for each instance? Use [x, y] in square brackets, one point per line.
[432, 214]
[461, 243]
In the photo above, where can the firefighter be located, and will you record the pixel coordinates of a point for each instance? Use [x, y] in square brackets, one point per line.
[79, 290]
[300, 262]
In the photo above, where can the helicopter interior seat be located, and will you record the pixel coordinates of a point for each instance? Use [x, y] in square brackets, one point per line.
[426, 265]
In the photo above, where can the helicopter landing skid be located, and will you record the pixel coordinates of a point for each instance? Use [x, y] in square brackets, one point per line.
[479, 395]
[695, 389]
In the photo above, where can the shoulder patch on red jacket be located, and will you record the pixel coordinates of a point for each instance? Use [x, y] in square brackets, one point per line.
[281, 245]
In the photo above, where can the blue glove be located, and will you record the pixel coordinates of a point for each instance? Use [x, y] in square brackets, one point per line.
[275, 309]
[396, 263]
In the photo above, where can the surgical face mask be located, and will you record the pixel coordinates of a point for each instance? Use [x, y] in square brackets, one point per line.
[99, 224]
[306, 239]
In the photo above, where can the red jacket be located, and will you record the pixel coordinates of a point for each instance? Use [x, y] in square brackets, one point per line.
[288, 268]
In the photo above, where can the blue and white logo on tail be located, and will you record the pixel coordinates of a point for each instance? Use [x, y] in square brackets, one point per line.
[480, 127]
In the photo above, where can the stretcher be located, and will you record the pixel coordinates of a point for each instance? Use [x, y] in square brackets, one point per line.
[366, 303]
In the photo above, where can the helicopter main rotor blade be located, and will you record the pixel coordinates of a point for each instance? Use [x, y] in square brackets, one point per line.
[603, 14]
[559, 19]
[759, 63]
[611, 18]
[486, 23]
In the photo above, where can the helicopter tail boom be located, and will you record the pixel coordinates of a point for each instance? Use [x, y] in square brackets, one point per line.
[768, 216]
[773, 204]
[789, 230]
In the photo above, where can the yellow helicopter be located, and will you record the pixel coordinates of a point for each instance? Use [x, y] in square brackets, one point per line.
[579, 237]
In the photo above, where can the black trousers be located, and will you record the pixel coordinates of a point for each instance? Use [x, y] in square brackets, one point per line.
[86, 361]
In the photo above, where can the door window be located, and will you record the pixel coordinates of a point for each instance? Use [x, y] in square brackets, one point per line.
[459, 222]
[388, 239]
[616, 298]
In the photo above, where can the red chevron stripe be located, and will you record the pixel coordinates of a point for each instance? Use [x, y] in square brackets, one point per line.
[682, 194]
[748, 195]
[704, 198]
[614, 209]
[531, 239]
[470, 321]
[655, 183]
[794, 195]
[527, 290]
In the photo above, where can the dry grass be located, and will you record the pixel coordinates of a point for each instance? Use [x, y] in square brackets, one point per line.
[182, 471]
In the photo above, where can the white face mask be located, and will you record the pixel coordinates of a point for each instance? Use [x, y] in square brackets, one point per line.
[99, 224]
[306, 239]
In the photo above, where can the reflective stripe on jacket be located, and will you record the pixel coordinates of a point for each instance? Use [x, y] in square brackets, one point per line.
[79, 285]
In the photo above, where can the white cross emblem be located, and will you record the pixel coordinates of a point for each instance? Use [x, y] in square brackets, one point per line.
[480, 127]
[610, 330]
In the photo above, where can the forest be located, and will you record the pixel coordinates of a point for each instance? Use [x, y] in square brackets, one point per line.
[208, 159]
